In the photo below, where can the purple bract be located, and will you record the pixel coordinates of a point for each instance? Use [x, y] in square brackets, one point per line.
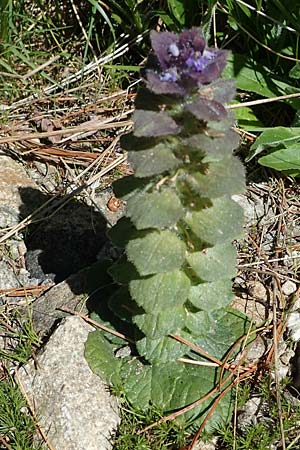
[184, 62]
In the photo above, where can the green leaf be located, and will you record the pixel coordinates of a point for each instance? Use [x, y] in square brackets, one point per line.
[129, 187]
[157, 252]
[122, 305]
[137, 383]
[177, 9]
[295, 72]
[122, 232]
[221, 177]
[162, 291]
[152, 124]
[216, 331]
[273, 137]
[210, 296]
[155, 210]
[161, 350]
[216, 148]
[123, 271]
[215, 263]
[254, 77]
[284, 159]
[99, 354]
[247, 120]
[156, 326]
[153, 161]
[173, 385]
[220, 223]
[181, 386]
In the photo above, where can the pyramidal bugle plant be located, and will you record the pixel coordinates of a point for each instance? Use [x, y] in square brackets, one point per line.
[175, 275]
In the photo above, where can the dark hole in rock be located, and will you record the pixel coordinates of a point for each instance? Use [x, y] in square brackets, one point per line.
[63, 243]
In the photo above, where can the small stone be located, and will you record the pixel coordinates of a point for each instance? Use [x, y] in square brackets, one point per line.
[23, 271]
[14, 251]
[253, 209]
[101, 199]
[256, 350]
[253, 309]
[114, 204]
[289, 287]
[293, 325]
[74, 406]
[210, 445]
[249, 414]
[257, 290]
[296, 305]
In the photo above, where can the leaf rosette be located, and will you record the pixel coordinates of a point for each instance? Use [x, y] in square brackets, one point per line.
[175, 275]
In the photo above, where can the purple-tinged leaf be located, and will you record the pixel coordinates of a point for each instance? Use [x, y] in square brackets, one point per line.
[207, 110]
[151, 123]
[222, 91]
[164, 46]
[160, 86]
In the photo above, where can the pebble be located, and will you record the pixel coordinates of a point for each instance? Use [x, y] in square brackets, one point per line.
[289, 287]
[257, 290]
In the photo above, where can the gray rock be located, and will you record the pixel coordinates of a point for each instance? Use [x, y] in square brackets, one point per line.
[101, 201]
[253, 208]
[253, 410]
[254, 309]
[257, 290]
[256, 350]
[289, 287]
[7, 277]
[8, 216]
[70, 294]
[12, 178]
[73, 405]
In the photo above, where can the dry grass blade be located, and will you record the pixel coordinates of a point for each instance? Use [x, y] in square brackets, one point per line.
[25, 291]
[263, 101]
[41, 67]
[221, 383]
[215, 404]
[82, 73]
[96, 324]
[4, 443]
[200, 351]
[79, 129]
[276, 367]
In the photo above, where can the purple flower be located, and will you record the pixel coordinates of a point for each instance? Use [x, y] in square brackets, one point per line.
[184, 62]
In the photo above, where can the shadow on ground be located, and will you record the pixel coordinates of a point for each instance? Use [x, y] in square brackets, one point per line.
[64, 241]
